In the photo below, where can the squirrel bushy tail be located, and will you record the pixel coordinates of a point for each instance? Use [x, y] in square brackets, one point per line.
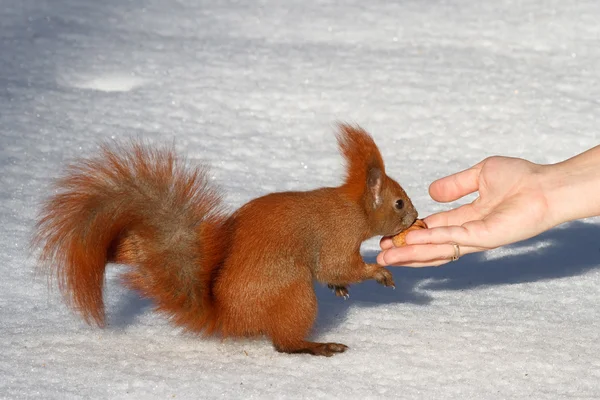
[142, 207]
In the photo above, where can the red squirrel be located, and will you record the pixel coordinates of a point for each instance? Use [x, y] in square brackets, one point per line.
[240, 274]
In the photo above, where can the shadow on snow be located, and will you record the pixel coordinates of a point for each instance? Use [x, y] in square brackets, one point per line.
[569, 250]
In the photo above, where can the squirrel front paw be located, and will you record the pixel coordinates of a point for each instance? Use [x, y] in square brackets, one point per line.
[384, 277]
[340, 291]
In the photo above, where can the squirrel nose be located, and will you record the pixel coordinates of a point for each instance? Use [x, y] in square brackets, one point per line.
[410, 217]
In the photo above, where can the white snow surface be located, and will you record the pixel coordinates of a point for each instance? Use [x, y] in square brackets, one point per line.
[253, 88]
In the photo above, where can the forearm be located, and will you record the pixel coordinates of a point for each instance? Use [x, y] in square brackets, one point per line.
[573, 187]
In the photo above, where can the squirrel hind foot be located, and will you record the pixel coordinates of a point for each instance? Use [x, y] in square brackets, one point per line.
[314, 348]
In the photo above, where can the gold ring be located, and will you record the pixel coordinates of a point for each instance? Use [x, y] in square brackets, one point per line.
[456, 255]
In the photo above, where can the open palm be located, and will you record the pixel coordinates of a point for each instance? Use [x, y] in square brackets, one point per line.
[511, 206]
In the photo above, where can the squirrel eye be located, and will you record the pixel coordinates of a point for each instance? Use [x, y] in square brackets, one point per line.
[400, 204]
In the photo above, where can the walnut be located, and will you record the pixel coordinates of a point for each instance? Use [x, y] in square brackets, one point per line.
[400, 239]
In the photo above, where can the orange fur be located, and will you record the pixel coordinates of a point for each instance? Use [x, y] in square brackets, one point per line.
[245, 274]
[361, 154]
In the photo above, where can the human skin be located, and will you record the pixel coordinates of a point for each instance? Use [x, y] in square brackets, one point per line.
[517, 200]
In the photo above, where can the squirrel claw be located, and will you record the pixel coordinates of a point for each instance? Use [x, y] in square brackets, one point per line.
[340, 291]
[384, 277]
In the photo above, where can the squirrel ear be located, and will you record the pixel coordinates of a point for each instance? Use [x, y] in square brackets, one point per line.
[374, 183]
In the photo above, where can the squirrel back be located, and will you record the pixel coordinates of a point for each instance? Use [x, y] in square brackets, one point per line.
[245, 274]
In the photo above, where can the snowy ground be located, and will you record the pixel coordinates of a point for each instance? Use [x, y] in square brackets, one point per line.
[253, 87]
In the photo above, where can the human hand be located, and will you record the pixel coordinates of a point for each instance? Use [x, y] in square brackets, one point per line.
[512, 206]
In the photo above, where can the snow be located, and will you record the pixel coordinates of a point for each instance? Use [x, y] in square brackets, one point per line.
[253, 89]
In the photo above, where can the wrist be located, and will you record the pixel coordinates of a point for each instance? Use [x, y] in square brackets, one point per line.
[572, 187]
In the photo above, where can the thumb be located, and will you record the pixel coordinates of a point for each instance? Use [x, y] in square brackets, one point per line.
[455, 186]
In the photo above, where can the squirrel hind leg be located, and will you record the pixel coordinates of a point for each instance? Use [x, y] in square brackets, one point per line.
[291, 321]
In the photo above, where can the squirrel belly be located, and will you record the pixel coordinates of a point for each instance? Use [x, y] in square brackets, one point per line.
[242, 274]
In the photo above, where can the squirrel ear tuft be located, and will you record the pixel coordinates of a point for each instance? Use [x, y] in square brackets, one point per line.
[374, 183]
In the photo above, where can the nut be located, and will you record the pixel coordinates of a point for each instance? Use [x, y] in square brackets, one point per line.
[400, 239]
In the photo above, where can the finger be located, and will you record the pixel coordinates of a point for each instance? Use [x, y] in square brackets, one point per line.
[419, 264]
[457, 216]
[421, 254]
[433, 263]
[473, 233]
[436, 235]
[386, 243]
[455, 186]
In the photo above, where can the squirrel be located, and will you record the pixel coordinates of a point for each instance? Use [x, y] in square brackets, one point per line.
[211, 272]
